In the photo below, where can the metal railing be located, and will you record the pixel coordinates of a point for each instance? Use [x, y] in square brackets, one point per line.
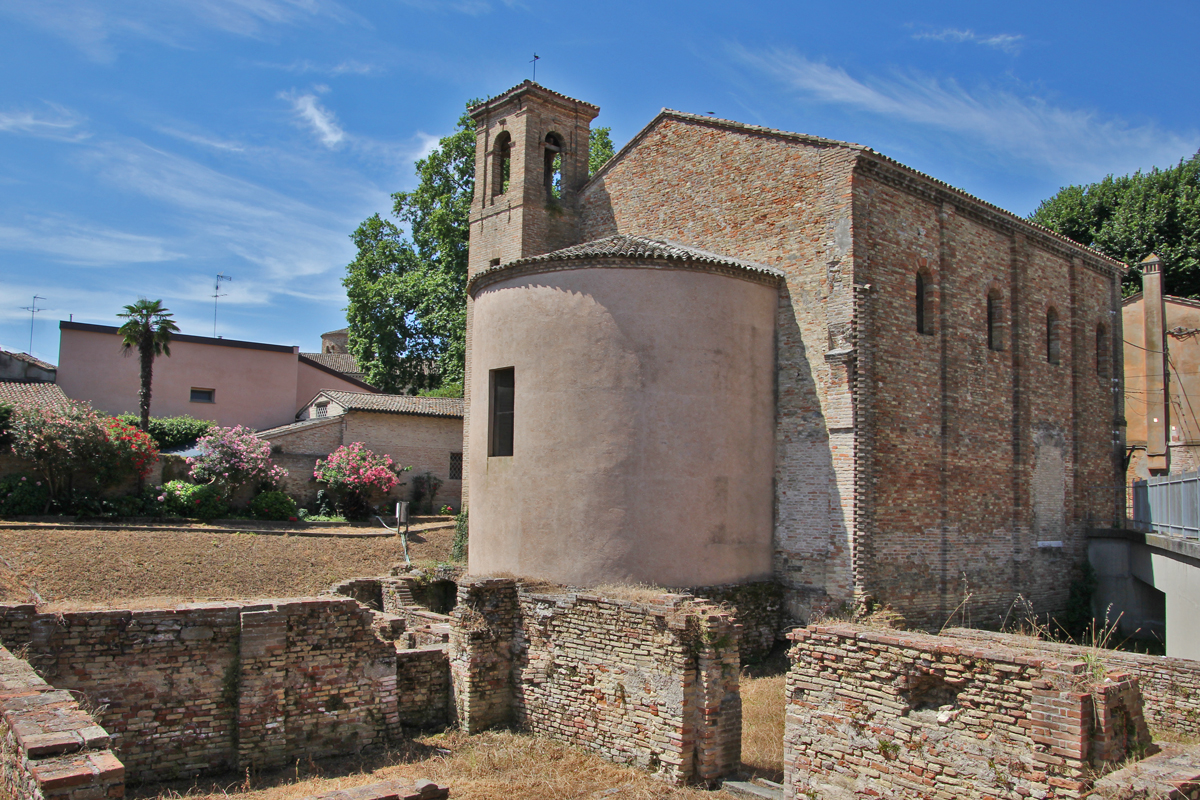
[1169, 504]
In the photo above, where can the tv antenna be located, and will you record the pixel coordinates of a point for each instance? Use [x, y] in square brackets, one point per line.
[217, 293]
[32, 309]
[534, 62]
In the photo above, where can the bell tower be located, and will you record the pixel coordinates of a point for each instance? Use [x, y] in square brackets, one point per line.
[531, 160]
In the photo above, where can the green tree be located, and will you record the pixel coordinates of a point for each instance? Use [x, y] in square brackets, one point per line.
[600, 149]
[1131, 216]
[147, 329]
[407, 299]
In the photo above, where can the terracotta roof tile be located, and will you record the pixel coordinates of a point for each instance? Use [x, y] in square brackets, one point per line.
[37, 362]
[526, 86]
[42, 394]
[634, 248]
[398, 403]
[342, 362]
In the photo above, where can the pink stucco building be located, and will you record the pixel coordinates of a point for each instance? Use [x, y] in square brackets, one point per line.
[232, 382]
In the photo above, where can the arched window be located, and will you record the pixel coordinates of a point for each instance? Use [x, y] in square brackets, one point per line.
[501, 163]
[1053, 346]
[995, 320]
[553, 160]
[1103, 356]
[924, 307]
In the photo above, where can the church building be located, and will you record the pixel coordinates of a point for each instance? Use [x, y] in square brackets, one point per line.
[738, 354]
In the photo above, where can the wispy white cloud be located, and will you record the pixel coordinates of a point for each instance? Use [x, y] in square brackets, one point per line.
[278, 238]
[95, 26]
[306, 67]
[322, 121]
[73, 242]
[60, 123]
[472, 8]
[1068, 142]
[1008, 42]
[200, 139]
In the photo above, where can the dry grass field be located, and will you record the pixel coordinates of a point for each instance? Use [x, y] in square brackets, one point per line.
[84, 568]
[73, 569]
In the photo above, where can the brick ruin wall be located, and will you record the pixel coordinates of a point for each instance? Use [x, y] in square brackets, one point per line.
[1001, 450]
[1170, 686]
[897, 715]
[50, 748]
[655, 686]
[205, 688]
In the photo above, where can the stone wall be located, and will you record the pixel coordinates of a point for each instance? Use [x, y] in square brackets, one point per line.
[1170, 686]
[49, 746]
[892, 714]
[209, 687]
[760, 608]
[651, 685]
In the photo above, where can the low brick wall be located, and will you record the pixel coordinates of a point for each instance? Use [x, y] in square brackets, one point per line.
[760, 608]
[891, 714]
[423, 686]
[49, 746]
[1170, 686]
[651, 685]
[387, 790]
[210, 687]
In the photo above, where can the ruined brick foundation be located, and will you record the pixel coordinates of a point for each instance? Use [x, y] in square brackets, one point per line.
[652, 684]
[897, 715]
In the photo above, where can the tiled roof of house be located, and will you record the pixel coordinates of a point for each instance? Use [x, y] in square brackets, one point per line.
[292, 427]
[42, 394]
[632, 248]
[398, 403]
[342, 362]
[37, 362]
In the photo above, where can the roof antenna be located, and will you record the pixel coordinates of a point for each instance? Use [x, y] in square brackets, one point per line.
[217, 293]
[33, 309]
[534, 62]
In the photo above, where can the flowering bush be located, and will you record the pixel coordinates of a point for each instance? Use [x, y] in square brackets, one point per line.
[233, 457]
[22, 495]
[354, 473]
[60, 442]
[184, 499]
[273, 505]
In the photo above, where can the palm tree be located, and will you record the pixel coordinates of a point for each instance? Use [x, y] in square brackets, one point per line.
[148, 329]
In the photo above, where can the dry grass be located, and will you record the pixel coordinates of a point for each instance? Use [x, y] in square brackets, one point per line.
[79, 568]
[489, 766]
[633, 592]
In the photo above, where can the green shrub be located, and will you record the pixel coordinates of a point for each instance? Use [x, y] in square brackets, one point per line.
[6, 412]
[201, 501]
[172, 432]
[458, 550]
[273, 505]
[23, 495]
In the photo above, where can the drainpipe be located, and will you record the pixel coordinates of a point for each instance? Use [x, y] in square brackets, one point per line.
[1158, 456]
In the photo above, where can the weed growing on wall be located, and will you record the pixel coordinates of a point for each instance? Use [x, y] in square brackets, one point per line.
[458, 550]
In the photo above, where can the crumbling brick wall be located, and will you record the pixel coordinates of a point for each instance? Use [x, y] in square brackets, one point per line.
[50, 748]
[208, 687]
[1170, 686]
[651, 685]
[892, 714]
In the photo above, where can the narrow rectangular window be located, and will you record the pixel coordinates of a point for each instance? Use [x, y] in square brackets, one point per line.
[203, 395]
[500, 431]
[456, 466]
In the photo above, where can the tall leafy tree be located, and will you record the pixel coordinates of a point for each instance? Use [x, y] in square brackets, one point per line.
[407, 310]
[1131, 216]
[148, 327]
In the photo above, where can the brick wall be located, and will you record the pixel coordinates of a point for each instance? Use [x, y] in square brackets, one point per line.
[1170, 686]
[651, 685]
[49, 746]
[209, 687]
[761, 611]
[891, 714]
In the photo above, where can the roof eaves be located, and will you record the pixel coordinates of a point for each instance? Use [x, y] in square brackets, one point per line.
[525, 87]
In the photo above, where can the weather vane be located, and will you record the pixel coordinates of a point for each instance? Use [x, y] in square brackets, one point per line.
[534, 62]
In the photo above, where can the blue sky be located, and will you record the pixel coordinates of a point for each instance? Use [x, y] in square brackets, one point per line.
[146, 145]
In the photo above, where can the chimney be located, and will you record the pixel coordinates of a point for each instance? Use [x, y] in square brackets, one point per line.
[1158, 456]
